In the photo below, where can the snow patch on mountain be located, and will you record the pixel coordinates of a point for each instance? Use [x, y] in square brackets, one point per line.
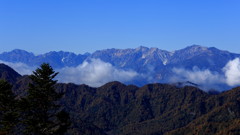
[165, 62]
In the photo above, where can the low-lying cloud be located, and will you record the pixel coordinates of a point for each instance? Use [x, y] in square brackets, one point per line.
[21, 68]
[209, 79]
[95, 73]
[232, 72]
[205, 78]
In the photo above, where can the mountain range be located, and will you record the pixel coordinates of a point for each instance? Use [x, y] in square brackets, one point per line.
[153, 109]
[150, 64]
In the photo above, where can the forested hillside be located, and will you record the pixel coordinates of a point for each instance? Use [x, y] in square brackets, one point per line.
[154, 109]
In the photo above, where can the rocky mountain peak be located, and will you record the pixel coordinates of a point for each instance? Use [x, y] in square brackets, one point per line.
[20, 51]
[142, 48]
[195, 48]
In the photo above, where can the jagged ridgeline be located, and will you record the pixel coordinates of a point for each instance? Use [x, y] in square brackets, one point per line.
[154, 109]
[137, 59]
[143, 65]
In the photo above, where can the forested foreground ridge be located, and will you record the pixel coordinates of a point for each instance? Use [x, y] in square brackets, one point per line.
[38, 105]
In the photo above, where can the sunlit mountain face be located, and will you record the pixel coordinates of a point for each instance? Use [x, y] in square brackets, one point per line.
[209, 68]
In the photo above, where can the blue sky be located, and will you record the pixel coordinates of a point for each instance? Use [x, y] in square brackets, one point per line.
[83, 26]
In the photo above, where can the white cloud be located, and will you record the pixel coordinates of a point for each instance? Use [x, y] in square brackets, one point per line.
[95, 73]
[205, 78]
[209, 79]
[21, 68]
[232, 72]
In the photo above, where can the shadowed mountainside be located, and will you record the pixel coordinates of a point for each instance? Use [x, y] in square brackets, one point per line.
[154, 109]
[8, 74]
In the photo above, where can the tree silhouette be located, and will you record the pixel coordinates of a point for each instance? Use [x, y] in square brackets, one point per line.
[8, 108]
[42, 113]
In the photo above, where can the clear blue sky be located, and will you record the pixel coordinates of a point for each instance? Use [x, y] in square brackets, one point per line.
[82, 26]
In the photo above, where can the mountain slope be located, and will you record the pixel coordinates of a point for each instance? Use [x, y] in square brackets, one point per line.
[8, 74]
[224, 117]
[133, 58]
[202, 57]
[154, 109]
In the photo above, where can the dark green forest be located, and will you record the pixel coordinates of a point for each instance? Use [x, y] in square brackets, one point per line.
[38, 105]
[36, 113]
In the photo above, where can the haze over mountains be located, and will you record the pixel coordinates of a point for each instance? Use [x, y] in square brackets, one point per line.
[210, 68]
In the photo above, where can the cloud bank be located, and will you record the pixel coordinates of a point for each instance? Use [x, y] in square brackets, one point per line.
[21, 68]
[232, 72]
[209, 79]
[205, 78]
[95, 73]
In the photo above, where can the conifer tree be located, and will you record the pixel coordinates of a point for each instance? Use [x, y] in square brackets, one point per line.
[8, 108]
[42, 113]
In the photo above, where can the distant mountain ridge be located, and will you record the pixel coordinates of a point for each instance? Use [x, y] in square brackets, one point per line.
[153, 62]
[57, 59]
[117, 57]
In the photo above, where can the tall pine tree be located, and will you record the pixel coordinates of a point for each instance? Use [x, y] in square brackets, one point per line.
[42, 113]
[8, 109]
